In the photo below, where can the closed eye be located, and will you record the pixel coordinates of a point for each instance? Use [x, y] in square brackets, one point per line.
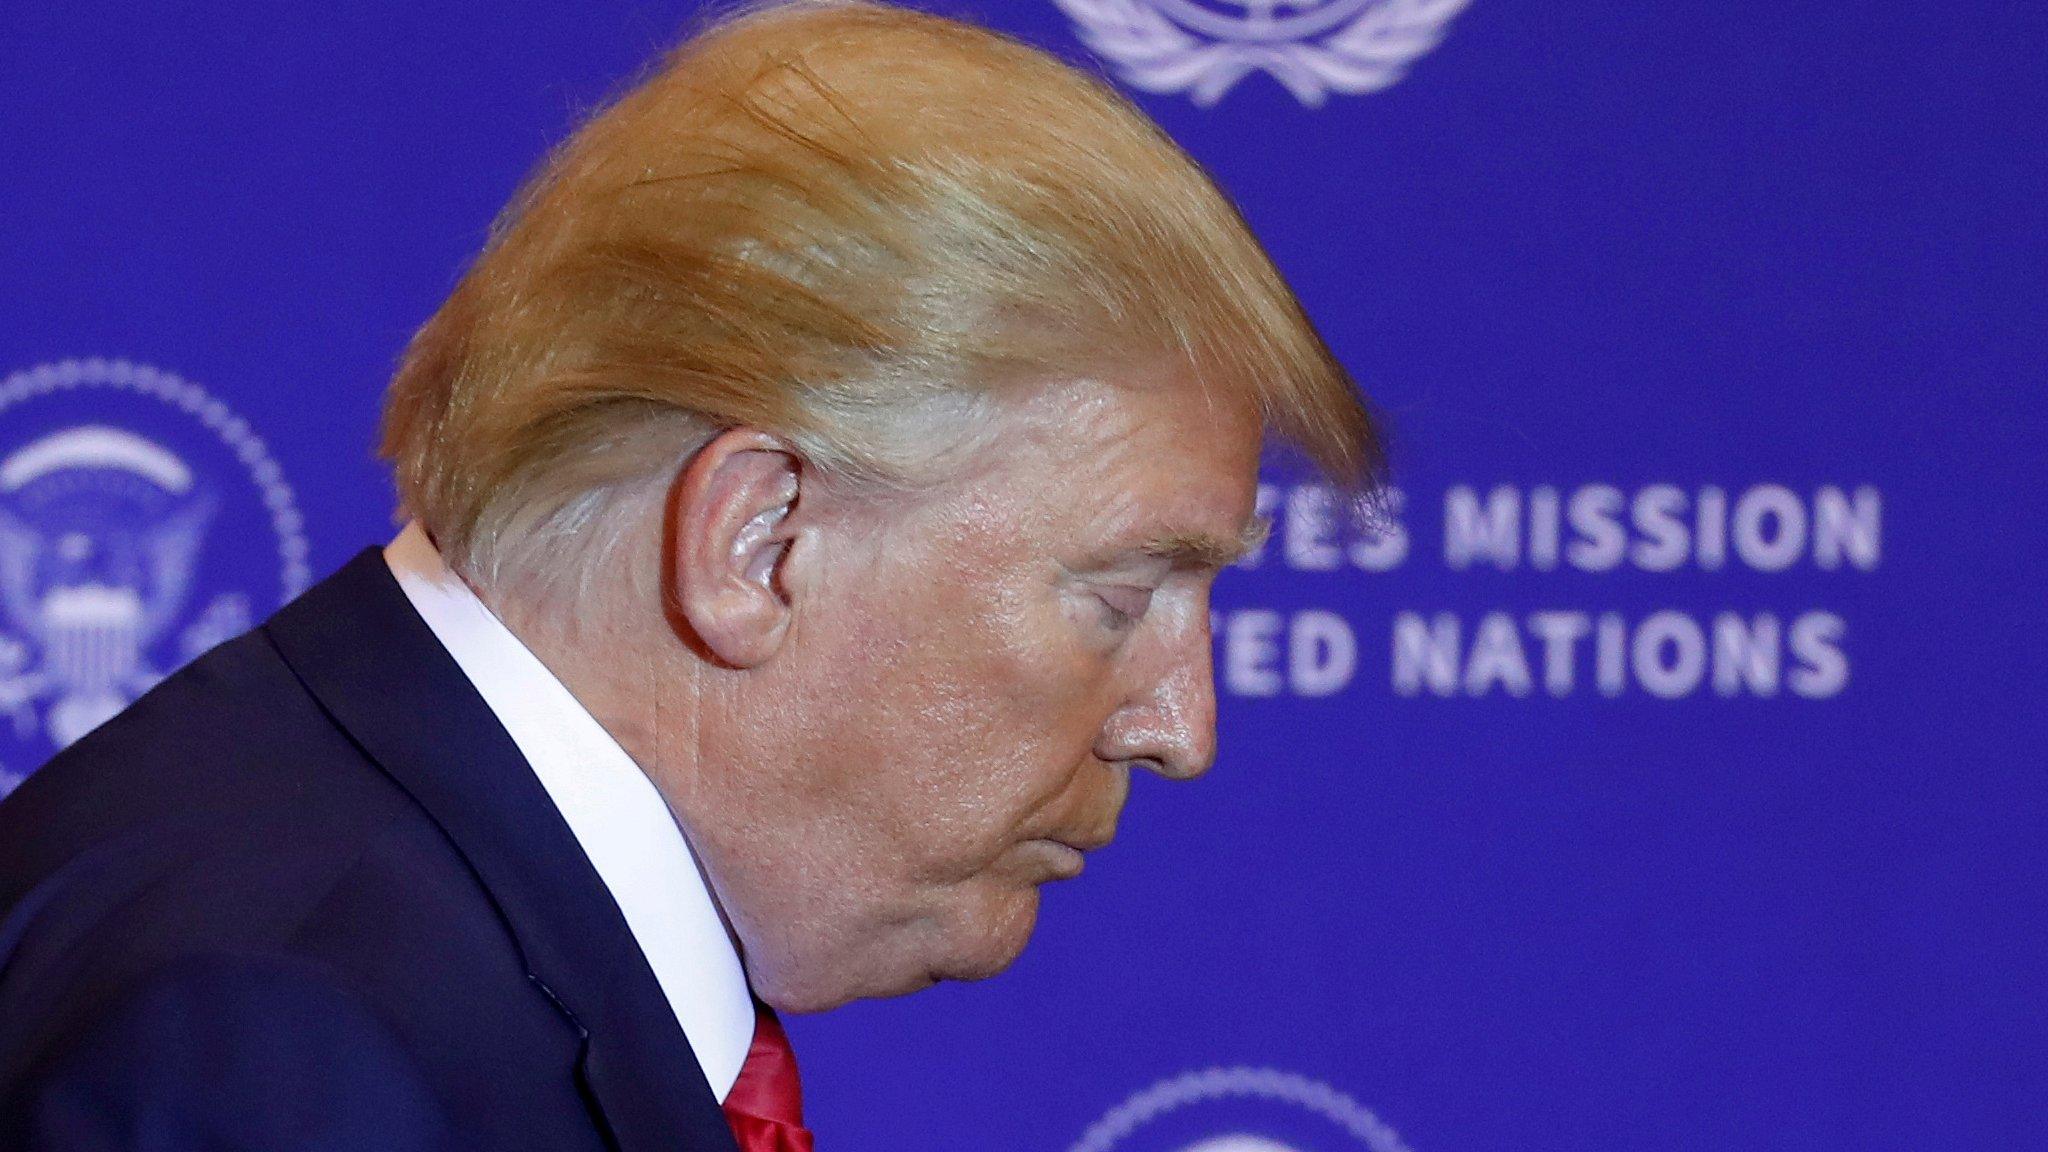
[1123, 604]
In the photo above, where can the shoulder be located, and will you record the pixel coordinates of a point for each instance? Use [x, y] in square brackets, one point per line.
[228, 851]
[227, 1051]
[232, 733]
[224, 813]
[220, 802]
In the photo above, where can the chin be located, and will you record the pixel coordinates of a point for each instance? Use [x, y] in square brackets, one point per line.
[877, 983]
[992, 934]
[979, 938]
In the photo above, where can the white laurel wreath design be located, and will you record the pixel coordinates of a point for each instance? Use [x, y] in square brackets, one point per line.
[1157, 55]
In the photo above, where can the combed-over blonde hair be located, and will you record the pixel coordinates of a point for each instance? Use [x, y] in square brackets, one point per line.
[826, 219]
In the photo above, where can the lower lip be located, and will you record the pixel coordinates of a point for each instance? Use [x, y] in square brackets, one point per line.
[1066, 860]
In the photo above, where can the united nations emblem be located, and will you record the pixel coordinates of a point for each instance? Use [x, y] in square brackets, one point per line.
[1239, 1110]
[1312, 47]
[141, 523]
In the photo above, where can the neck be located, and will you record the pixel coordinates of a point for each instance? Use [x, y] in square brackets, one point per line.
[616, 656]
[650, 702]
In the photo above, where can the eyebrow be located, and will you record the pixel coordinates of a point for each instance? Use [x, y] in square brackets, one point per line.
[1201, 550]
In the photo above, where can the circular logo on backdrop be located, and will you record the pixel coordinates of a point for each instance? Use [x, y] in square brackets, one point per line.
[1312, 47]
[141, 523]
[1239, 1110]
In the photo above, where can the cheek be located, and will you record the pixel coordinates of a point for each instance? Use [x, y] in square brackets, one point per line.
[978, 711]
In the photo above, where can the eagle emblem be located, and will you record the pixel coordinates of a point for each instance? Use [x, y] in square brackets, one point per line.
[126, 499]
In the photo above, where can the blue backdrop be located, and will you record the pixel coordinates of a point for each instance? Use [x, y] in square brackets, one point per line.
[1668, 775]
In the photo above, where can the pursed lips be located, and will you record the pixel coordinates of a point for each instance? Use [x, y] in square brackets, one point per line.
[1065, 860]
[1087, 835]
[1072, 847]
[1085, 842]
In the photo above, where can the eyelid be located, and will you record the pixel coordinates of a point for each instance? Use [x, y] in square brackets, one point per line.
[1127, 600]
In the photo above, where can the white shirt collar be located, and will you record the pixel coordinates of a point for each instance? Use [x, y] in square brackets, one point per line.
[618, 817]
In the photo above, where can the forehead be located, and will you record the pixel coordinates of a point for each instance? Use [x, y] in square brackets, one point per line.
[1150, 458]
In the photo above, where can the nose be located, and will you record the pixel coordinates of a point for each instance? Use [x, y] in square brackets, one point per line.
[1169, 723]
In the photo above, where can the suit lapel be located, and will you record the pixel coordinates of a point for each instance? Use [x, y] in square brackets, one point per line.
[358, 646]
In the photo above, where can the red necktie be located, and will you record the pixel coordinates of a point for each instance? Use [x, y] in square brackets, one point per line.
[766, 1106]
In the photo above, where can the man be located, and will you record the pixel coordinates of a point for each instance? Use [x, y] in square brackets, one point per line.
[815, 489]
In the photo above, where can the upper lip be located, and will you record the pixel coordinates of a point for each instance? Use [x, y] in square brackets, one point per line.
[1084, 842]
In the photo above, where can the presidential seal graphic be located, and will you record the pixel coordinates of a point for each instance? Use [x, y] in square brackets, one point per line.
[1312, 47]
[141, 523]
[1239, 1110]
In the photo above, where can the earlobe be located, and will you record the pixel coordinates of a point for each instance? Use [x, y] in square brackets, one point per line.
[730, 530]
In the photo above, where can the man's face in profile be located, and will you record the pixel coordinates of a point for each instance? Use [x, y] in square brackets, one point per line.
[969, 684]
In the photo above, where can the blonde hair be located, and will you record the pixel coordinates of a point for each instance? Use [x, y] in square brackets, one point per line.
[829, 219]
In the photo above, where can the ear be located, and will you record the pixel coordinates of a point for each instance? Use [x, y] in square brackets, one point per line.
[729, 536]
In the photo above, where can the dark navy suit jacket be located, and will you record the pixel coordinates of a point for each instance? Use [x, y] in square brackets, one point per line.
[307, 894]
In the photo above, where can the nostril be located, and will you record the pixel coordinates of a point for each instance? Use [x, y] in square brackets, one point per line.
[1175, 769]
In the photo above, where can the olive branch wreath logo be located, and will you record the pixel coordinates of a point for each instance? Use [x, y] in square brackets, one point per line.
[1154, 53]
